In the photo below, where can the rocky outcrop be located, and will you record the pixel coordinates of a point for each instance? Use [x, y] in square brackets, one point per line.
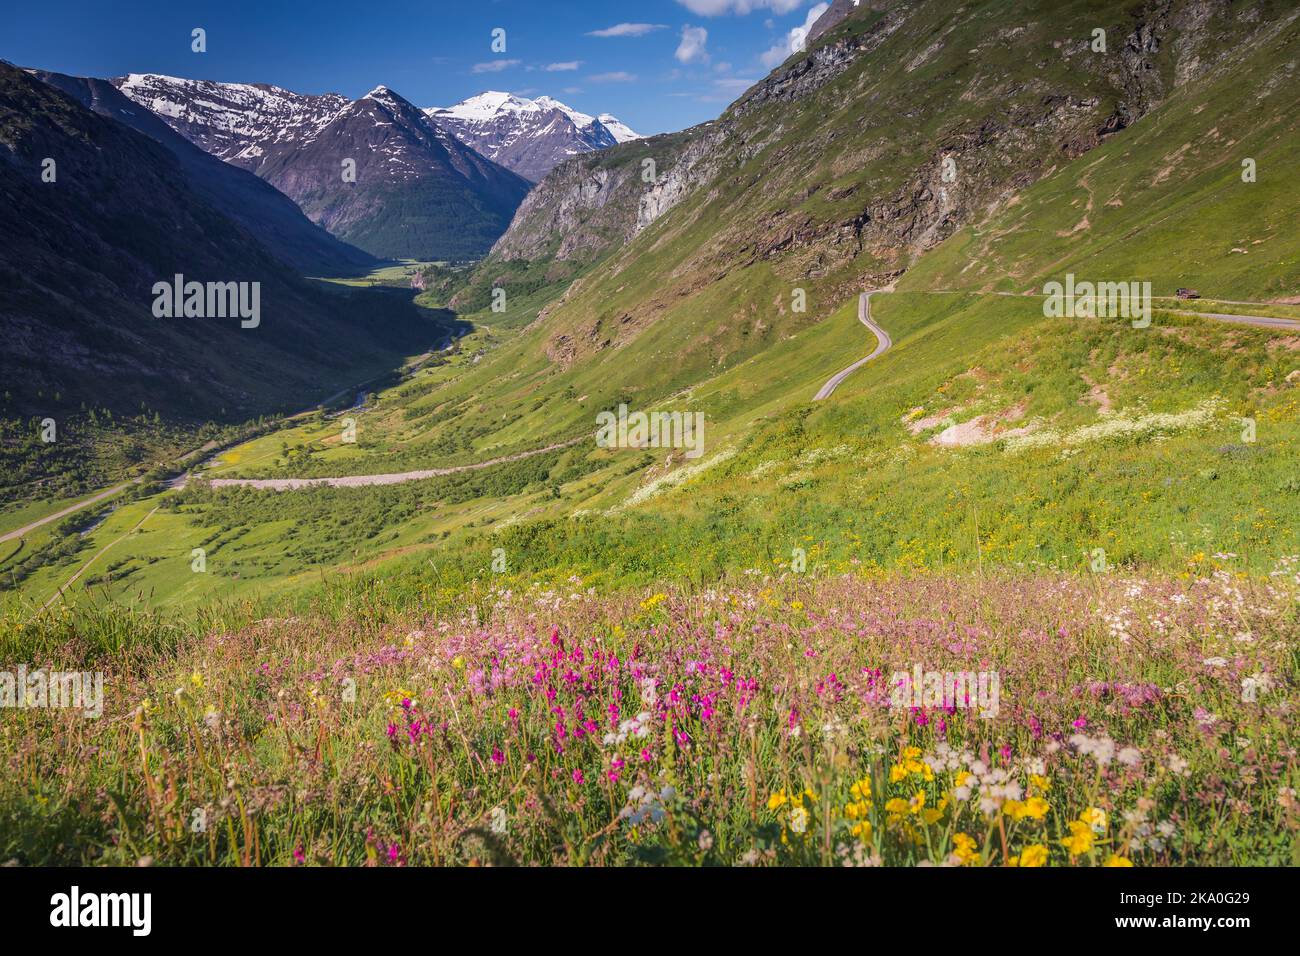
[593, 203]
[819, 66]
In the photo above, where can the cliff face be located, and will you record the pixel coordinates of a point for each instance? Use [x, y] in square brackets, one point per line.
[592, 202]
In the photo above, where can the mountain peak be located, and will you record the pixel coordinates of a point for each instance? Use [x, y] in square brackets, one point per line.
[391, 99]
[525, 134]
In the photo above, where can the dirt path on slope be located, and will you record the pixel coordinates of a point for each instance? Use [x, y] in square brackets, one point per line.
[99, 554]
[71, 509]
[363, 481]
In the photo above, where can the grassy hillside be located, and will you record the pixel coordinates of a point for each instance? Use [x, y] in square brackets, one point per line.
[988, 435]
[1167, 201]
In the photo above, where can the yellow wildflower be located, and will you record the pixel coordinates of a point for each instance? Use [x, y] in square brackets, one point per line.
[1080, 838]
[396, 696]
[1036, 808]
[896, 808]
[965, 848]
[1095, 818]
[935, 814]
[1033, 855]
[1116, 860]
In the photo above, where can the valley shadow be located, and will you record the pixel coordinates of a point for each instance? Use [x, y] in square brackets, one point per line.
[409, 335]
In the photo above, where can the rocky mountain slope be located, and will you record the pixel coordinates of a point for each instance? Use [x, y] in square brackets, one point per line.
[237, 122]
[897, 127]
[87, 239]
[418, 192]
[530, 137]
[268, 214]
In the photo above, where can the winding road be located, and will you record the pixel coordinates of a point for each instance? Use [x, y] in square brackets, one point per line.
[884, 344]
[1263, 321]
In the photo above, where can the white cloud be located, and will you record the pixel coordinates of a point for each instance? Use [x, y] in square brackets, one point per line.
[494, 66]
[628, 30]
[734, 85]
[716, 8]
[795, 40]
[566, 67]
[693, 48]
[720, 90]
[616, 77]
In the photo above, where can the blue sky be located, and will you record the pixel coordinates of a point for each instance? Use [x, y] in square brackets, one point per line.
[658, 65]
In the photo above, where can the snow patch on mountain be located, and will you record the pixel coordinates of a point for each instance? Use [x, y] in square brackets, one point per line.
[622, 132]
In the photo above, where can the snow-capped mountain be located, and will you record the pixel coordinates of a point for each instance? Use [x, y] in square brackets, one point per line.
[622, 132]
[237, 122]
[529, 136]
[418, 192]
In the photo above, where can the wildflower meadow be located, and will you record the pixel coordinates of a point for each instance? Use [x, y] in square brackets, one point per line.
[1137, 722]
